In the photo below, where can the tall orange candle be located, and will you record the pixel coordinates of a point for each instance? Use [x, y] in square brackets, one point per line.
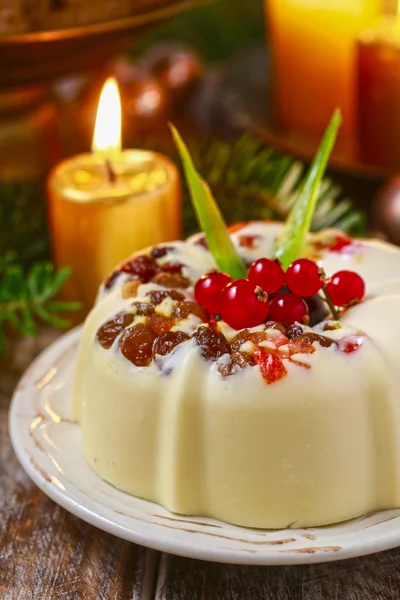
[105, 205]
[313, 53]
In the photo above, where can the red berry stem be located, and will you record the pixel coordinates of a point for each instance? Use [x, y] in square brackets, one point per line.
[332, 308]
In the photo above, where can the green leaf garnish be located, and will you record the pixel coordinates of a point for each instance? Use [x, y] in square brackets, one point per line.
[292, 242]
[209, 216]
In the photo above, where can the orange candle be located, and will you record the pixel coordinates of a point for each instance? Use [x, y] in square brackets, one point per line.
[313, 54]
[105, 205]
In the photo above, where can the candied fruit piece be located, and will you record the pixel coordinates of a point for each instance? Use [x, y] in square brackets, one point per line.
[243, 336]
[237, 226]
[340, 242]
[300, 363]
[143, 267]
[129, 289]
[333, 244]
[275, 325]
[144, 308]
[351, 343]
[277, 339]
[159, 323]
[167, 341]
[258, 336]
[332, 326]
[136, 344]
[107, 333]
[157, 296]
[249, 241]
[213, 343]
[301, 346]
[171, 280]
[271, 365]
[183, 309]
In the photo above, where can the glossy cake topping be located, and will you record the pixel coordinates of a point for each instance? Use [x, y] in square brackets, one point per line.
[237, 324]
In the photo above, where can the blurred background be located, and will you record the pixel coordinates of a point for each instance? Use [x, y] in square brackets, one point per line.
[251, 86]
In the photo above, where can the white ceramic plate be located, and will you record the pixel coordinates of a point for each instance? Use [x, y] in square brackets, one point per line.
[48, 444]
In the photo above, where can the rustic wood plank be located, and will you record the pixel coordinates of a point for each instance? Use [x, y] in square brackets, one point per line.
[44, 551]
[47, 553]
[375, 577]
[20, 353]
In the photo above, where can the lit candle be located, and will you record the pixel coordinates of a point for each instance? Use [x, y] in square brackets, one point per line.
[379, 93]
[313, 62]
[105, 205]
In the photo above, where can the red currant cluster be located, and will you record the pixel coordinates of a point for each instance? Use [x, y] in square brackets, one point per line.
[249, 302]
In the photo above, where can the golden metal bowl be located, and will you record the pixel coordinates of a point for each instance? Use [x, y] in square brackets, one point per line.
[40, 55]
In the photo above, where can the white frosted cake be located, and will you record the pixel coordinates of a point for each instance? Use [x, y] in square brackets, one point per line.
[179, 408]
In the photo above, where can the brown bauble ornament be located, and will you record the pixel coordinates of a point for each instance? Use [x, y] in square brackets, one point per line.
[125, 71]
[176, 67]
[385, 211]
[145, 104]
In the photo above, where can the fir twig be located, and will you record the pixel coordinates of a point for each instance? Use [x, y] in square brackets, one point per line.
[26, 297]
[252, 181]
[28, 282]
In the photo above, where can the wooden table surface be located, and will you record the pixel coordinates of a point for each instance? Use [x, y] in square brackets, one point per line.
[47, 553]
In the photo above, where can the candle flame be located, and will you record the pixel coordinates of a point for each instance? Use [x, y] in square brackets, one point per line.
[107, 131]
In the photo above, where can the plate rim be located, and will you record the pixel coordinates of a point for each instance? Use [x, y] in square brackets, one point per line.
[164, 544]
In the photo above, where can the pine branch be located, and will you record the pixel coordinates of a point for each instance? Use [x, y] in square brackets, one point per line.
[28, 282]
[27, 297]
[253, 181]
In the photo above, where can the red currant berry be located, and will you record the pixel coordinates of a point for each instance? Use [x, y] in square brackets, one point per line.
[345, 287]
[303, 278]
[208, 289]
[244, 304]
[268, 274]
[287, 308]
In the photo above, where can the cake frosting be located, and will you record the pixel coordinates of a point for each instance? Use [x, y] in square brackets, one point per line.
[175, 408]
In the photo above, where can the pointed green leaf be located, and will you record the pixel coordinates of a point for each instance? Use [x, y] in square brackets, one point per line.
[298, 223]
[209, 216]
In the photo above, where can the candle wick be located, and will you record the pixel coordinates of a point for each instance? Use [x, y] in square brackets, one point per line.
[111, 174]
